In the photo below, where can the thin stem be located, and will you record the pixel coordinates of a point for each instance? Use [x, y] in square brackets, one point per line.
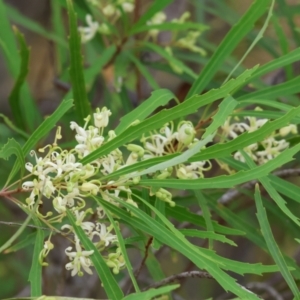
[183, 275]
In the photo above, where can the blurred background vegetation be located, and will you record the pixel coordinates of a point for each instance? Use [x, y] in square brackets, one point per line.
[49, 83]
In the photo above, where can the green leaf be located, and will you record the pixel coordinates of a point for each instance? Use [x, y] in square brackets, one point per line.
[144, 71]
[14, 97]
[21, 19]
[255, 41]
[170, 26]
[201, 257]
[110, 285]
[156, 7]
[266, 102]
[202, 202]
[225, 108]
[288, 13]
[82, 105]
[285, 187]
[13, 147]
[170, 58]
[8, 243]
[226, 181]
[35, 275]
[148, 295]
[158, 98]
[281, 203]
[268, 114]
[284, 45]
[40, 132]
[232, 39]
[247, 138]
[13, 127]
[28, 240]
[207, 235]
[271, 243]
[290, 87]
[252, 233]
[124, 252]
[140, 166]
[8, 42]
[277, 63]
[187, 107]
[44, 297]
[12, 60]
[183, 215]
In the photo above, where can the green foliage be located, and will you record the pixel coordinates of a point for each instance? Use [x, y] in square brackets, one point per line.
[160, 207]
[82, 105]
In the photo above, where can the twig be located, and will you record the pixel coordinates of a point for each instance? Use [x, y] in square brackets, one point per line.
[183, 275]
[265, 287]
[137, 272]
[19, 224]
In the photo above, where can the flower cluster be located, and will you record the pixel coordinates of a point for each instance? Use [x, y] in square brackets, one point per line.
[60, 177]
[265, 150]
[111, 12]
[169, 141]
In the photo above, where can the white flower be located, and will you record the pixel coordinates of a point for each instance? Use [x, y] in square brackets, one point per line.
[79, 259]
[189, 42]
[87, 33]
[59, 204]
[250, 150]
[272, 149]
[193, 170]
[157, 145]
[292, 128]
[101, 118]
[104, 234]
[127, 7]
[158, 18]
[183, 18]
[109, 10]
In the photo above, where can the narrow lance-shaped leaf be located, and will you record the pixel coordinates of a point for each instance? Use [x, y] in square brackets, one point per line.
[257, 38]
[151, 293]
[290, 87]
[20, 19]
[82, 105]
[158, 98]
[277, 63]
[272, 245]
[13, 147]
[226, 181]
[110, 285]
[187, 107]
[8, 42]
[182, 68]
[35, 275]
[170, 26]
[199, 256]
[14, 97]
[123, 249]
[234, 36]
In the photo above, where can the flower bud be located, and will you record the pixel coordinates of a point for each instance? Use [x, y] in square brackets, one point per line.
[186, 133]
[90, 188]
